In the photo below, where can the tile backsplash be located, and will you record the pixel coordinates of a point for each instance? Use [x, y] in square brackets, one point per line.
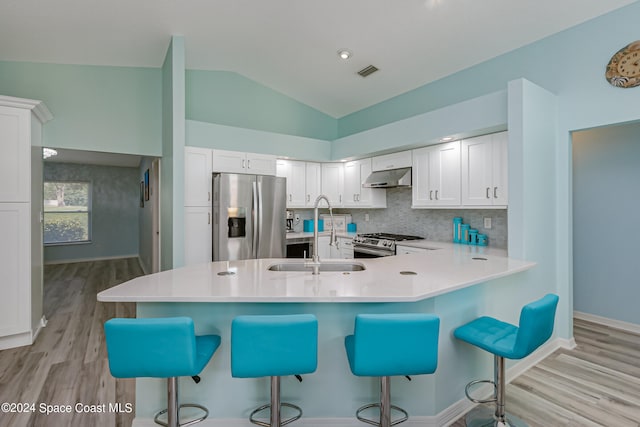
[432, 224]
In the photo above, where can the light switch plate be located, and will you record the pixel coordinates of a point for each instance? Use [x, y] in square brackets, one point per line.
[487, 222]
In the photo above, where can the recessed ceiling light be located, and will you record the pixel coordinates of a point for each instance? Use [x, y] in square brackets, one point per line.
[48, 152]
[344, 54]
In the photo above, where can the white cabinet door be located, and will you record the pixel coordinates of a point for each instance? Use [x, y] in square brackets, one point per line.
[197, 176]
[352, 184]
[445, 174]
[357, 196]
[500, 169]
[294, 172]
[260, 164]
[197, 235]
[333, 182]
[15, 250]
[241, 162]
[436, 176]
[313, 182]
[15, 141]
[229, 161]
[420, 185]
[484, 170]
[345, 248]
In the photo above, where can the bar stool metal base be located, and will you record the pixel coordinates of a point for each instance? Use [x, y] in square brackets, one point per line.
[275, 416]
[173, 408]
[156, 419]
[385, 407]
[482, 416]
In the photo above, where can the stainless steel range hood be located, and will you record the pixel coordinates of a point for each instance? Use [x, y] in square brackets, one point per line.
[389, 178]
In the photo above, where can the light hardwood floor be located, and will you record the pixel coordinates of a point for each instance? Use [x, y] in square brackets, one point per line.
[595, 384]
[68, 362]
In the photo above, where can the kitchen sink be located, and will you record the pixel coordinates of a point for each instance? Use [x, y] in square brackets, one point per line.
[324, 266]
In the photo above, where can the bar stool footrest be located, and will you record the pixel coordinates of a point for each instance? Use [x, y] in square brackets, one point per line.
[188, 423]
[482, 416]
[474, 400]
[404, 418]
[283, 422]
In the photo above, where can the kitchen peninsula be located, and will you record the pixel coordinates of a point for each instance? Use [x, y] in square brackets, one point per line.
[438, 281]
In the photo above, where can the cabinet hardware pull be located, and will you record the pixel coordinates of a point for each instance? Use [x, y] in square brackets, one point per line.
[340, 198]
[495, 192]
[430, 194]
[248, 164]
[289, 196]
[436, 194]
[208, 218]
[488, 189]
[243, 163]
[208, 196]
[308, 197]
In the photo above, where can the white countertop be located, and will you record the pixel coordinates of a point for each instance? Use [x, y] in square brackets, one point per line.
[440, 271]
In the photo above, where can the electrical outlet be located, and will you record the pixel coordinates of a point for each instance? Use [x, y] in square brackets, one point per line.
[297, 217]
[487, 222]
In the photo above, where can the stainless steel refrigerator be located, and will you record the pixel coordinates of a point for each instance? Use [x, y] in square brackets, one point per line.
[248, 216]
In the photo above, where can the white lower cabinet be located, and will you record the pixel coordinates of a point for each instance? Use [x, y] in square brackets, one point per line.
[403, 250]
[345, 248]
[197, 235]
[15, 255]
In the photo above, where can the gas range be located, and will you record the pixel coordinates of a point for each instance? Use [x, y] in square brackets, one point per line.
[374, 245]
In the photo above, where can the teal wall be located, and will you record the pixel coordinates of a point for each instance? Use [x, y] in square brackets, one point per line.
[227, 98]
[570, 64]
[110, 109]
[114, 211]
[605, 212]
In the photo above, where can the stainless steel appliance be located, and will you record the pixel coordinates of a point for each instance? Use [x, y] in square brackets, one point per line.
[247, 216]
[375, 245]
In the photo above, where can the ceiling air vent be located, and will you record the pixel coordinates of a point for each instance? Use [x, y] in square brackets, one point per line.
[367, 71]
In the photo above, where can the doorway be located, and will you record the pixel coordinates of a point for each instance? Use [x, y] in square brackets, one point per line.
[606, 202]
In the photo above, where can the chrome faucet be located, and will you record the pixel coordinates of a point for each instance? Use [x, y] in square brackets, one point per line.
[315, 258]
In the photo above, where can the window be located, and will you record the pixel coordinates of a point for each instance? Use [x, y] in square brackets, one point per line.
[67, 212]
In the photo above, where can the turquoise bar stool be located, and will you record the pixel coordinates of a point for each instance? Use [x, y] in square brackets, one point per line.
[385, 345]
[160, 348]
[506, 341]
[274, 346]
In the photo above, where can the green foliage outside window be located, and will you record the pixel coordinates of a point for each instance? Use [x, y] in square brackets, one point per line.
[66, 212]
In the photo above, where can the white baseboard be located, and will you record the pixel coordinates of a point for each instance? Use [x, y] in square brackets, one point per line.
[613, 323]
[41, 324]
[443, 418]
[70, 261]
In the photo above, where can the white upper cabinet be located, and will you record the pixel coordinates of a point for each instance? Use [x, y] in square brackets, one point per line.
[197, 176]
[15, 161]
[484, 170]
[436, 176]
[295, 173]
[313, 182]
[333, 183]
[239, 162]
[357, 196]
[401, 159]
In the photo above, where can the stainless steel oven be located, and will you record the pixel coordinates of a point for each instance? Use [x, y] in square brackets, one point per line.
[376, 245]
